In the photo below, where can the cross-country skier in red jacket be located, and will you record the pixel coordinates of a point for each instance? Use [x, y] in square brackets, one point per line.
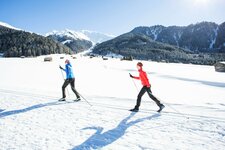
[146, 88]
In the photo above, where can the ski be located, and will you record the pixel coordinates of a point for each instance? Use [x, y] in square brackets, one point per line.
[77, 100]
[160, 109]
[64, 100]
[134, 110]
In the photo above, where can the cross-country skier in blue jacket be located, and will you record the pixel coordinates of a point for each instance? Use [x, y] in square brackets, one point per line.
[70, 79]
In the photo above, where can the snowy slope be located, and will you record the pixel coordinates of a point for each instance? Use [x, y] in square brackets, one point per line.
[31, 117]
[8, 26]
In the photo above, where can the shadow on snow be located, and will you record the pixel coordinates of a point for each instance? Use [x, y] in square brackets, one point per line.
[99, 139]
[208, 83]
[14, 112]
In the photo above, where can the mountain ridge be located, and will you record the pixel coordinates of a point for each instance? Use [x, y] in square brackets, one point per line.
[200, 37]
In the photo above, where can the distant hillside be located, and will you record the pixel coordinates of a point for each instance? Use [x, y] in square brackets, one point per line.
[16, 43]
[200, 37]
[142, 47]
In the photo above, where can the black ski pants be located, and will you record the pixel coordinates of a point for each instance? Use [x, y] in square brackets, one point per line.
[142, 92]
[70, 81]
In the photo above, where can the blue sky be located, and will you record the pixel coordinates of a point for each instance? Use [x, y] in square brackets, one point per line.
[107, 16]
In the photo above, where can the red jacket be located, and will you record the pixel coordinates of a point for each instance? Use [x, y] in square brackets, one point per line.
[143, 77]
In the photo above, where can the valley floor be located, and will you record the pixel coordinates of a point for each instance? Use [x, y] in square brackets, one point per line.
[32, 118]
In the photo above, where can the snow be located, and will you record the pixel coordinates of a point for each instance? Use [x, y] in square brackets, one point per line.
[214, 38]
[156, 31]
[31, 117]
[8, 26]
[66, 41]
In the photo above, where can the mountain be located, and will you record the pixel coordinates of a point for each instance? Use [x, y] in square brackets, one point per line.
[200, 37]
[140, 47]
[16, 43]
[175, 45]
[78, 41]
[97, 37]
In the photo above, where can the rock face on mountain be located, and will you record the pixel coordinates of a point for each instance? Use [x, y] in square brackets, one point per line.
[76, 41]
[16, 43]
[220, 39]
[201, 37]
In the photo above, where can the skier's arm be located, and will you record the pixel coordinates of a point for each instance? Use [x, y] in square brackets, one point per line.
[134, 77]
[138, 78]
[62, 68]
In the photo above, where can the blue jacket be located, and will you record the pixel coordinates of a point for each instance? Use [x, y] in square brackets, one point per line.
[69, 71]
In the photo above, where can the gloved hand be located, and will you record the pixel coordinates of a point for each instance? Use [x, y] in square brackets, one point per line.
[61, 67]
[131, 75]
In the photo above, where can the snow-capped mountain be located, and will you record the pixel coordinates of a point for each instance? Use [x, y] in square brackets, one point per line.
[93, 36]
[76, 41]
[70, 34]
[79, 41]
[97, 37]
[8, 26]
[15, 42]
[200, 37]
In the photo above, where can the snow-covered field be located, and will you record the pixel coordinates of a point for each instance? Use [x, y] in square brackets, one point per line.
[31, 117]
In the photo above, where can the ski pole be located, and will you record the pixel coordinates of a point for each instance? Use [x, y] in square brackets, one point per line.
[134, 83]
[85, 99]
[63, 79]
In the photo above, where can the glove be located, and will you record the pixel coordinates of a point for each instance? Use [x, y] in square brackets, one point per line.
[131, 75]
[61, 67]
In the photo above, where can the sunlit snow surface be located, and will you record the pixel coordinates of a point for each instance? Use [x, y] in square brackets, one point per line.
[31, 117]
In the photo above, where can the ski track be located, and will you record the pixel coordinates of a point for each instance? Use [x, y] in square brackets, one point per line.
[38, 126]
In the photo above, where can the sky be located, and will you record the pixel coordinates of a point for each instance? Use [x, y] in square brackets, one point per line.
[107, 16]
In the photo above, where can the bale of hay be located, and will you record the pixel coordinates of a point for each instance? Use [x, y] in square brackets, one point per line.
[220, 67]
[48, 59]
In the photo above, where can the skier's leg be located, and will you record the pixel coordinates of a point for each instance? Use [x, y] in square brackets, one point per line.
[72, 83]
[141, 93]
[64, 87]
[152, 96]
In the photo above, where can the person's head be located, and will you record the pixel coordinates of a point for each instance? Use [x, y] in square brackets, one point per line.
[67, 61]
[139, 65]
